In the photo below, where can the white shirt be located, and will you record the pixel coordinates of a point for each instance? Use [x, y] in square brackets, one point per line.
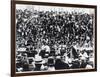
[46, 47]
[84, 56]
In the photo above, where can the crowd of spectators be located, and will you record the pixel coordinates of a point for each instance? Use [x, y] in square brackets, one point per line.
[51, 40]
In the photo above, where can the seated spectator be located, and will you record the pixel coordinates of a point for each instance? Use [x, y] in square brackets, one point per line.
[59, 64]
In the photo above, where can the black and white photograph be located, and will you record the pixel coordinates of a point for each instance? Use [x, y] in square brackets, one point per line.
[53, 38]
